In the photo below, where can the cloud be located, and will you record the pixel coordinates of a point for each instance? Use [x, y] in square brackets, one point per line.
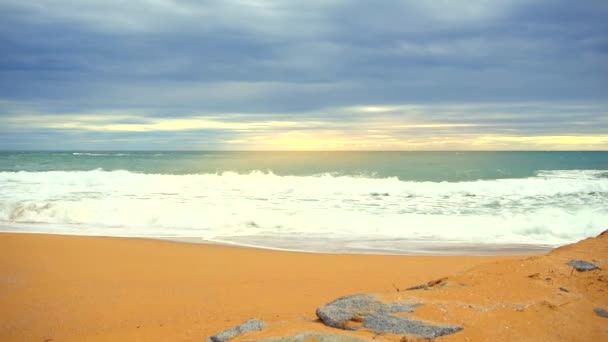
[411, 127]
[130, 123]
[511, 68]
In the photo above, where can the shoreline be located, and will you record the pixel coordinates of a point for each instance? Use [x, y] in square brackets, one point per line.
[403, 247]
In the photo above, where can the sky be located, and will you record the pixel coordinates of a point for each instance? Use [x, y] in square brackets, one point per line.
[303, 75]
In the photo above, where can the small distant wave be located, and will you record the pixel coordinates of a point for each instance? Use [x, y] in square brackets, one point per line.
[91, 154]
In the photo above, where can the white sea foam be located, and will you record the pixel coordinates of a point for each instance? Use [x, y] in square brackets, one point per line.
[553, 208]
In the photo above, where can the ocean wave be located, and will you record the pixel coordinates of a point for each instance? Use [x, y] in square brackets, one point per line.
[546, 183]
[91, 154]
[553, 207]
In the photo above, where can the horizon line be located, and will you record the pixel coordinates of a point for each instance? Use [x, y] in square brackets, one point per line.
[185, 150]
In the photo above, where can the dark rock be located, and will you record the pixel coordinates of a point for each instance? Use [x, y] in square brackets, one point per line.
[601, 312]
[317, 337]
[563, 289]
[418, 287]
[343, 310]
[583, 266]
[228, 334]
[356, 311]
[381, 324]
[428, 285]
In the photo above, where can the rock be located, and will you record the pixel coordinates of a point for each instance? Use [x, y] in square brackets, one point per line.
[563, 289]
[381, 324]
[428, 285]
[317, 337]
[582, 266]
[356, 311]
[601, 312]
[343, 310]
[228, 334]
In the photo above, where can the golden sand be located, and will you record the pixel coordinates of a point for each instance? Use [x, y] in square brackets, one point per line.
[68, 288]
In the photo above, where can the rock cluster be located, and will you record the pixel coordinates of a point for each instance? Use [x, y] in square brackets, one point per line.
[356, 311]
[344, 311]
[352, 313]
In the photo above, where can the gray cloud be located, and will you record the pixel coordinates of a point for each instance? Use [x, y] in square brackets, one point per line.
[511, 67]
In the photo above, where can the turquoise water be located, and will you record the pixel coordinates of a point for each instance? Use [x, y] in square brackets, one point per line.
[415, 166]
[383, 202]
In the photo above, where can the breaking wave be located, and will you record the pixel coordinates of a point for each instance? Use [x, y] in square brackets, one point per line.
[553, 207]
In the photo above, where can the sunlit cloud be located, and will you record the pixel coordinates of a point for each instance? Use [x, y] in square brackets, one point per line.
[295, 140]
[390, 127]
[112, 123]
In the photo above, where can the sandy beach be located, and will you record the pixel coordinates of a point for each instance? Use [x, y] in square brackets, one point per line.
[303, 171]
[70, 288]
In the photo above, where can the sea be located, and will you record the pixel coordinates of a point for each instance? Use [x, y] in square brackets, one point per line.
[329, 202]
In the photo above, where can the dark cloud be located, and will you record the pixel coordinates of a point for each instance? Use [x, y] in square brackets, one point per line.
[309, 60]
